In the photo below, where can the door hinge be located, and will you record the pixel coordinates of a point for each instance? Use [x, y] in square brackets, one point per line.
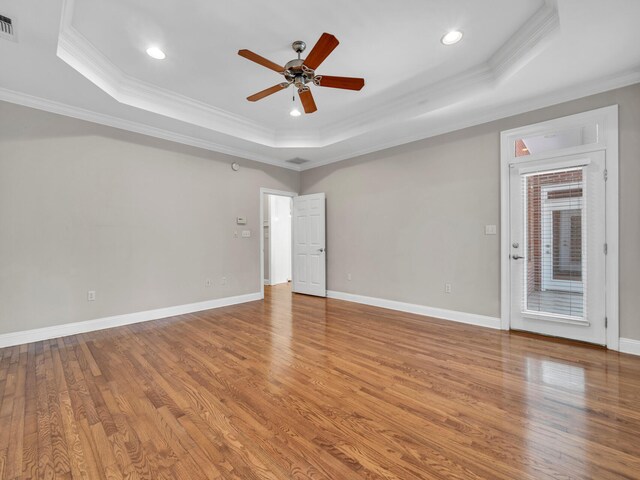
[605, 174]
[606, 248]
[606, 322]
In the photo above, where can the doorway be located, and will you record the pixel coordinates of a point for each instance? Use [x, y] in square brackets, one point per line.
[277, 239]
[557, 222]
[303, 220]
[265, 212]
[559, 236]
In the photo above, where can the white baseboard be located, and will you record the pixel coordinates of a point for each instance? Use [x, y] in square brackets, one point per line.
[462, 317]
[267, 282]
[38, 334]
[628, 345]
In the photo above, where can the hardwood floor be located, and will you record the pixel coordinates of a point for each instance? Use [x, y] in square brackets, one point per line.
[314, 388]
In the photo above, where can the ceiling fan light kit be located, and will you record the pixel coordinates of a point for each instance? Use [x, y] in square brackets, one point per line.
[301, 73]
[294, 109]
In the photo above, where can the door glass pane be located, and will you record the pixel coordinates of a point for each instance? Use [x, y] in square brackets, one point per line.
[554, 282]
[570, 137]
[567, 241]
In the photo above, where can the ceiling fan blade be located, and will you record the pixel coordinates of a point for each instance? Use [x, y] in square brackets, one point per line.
[321, 50]
[254, 57]
[267, 91]
[308, 103]
[347, 83]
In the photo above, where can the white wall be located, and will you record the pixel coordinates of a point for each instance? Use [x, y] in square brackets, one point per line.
[143, 222]
[280, 239]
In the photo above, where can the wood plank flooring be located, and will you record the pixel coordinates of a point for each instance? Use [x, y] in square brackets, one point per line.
[301, 387]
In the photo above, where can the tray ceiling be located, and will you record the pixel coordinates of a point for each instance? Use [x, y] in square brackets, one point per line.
[511, 51]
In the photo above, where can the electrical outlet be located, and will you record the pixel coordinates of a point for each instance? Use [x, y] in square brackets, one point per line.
[91, 296]
[447, 288]
[207, 282]
[349, 276]
[223, 281]
[246, 233]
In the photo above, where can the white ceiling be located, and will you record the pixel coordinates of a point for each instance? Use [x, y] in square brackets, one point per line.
[87, 59]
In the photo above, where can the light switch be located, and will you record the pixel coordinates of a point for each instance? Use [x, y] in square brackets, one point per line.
[490, 230]
[241, 220]
[246, 233]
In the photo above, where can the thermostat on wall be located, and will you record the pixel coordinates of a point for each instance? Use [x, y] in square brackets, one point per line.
[241, 220]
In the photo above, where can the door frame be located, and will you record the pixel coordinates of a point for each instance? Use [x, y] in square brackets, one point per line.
[606, 121]
[280, 193]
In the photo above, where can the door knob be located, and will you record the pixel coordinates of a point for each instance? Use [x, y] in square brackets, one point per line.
[516, 257]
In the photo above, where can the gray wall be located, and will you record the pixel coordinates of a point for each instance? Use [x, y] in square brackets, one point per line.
[142, 221]
[405, 221]
[145, 222]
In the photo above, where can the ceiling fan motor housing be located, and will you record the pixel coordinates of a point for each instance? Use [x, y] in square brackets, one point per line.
[297, 73]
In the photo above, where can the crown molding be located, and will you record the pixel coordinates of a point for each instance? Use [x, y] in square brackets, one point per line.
[75, 50]
[604, 84]
[535, 34]
[51, 106]
[411, 105]
[528, 42]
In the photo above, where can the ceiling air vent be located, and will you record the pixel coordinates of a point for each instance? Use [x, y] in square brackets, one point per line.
[7, 28]
[297, 161]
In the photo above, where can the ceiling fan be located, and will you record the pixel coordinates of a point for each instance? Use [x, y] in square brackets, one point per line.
[300, 72]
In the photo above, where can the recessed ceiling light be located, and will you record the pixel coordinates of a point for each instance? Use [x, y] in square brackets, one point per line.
[454, 36]
[155, 52]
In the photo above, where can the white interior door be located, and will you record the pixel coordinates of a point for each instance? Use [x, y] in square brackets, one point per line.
[309, 245]
[557, 262]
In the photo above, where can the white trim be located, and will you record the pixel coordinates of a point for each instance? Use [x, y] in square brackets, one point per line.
[629, 345]
[441, 313]
[80, 54]
[75, 50]
[481, 117]
[267, 281]
[560, 165]
[52, 106]
[269, 191]
[612, 82]
[607, 119]
[531, 39]
[63, 330]
[612, 214]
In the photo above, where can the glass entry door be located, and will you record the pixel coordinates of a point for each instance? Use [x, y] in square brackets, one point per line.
[557, 257]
